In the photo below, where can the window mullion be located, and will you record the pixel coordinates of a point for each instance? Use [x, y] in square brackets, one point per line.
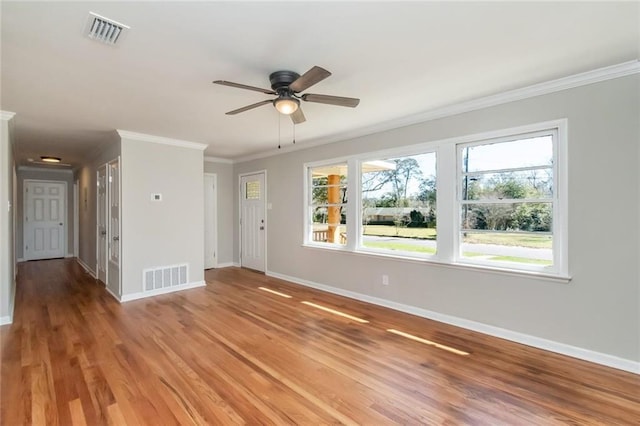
[447, 210]
[354, 195]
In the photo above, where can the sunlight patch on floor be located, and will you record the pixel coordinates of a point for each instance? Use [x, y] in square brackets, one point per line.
[427, 342]
[333, 311]
[275, 292]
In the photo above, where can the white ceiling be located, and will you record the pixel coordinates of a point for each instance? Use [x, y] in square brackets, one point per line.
[70, 93]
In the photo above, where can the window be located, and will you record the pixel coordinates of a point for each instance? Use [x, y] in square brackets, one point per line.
[495, 200]
[252, 190]
[327, 206]
[506, 201]
[399, 205]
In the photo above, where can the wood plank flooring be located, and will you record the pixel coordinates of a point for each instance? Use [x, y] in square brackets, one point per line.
[232, 353]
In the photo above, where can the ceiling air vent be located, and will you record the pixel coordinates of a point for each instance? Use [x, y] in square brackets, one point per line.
[104, 30]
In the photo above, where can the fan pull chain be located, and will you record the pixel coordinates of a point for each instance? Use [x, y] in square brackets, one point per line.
[294, 133]
[279, 122]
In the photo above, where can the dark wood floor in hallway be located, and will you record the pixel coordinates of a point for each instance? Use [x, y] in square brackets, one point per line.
[235, 353]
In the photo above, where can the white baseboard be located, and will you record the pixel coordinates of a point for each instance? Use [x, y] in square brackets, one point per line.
[69, 255]
[86, 268]
[6, 320]
[20, 259]
[226, 265]
[514, 336]
[144, 294]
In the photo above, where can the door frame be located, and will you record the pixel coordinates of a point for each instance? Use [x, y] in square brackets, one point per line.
[215, 218]
[118, 161]
[106, 225]
[65, 215]
[76, 218]
[266, 221]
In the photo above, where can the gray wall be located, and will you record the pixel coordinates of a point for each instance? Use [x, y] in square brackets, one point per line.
[170, 232]
[597, 311]
[87, 204]
[50, 175]
[226, 209]
[7, 237]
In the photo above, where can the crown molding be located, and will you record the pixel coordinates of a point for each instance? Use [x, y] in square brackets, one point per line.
[208, 159]
[582, 79]
[43, 169]
[124, 134]
[6, 115]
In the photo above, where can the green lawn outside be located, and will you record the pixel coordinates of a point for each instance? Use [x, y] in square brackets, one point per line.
[519, 240]
[392, 231]
[395, 245]
[520, 260]
[506, 239]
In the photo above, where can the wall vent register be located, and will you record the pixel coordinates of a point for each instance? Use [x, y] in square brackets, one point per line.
[165, 277]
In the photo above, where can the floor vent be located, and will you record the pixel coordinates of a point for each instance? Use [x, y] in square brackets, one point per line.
[104, 30]
[165, 277]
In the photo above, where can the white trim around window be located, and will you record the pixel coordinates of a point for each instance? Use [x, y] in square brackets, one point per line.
[448, 203]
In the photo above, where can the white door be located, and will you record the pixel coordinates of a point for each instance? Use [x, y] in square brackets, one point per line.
[252, 221]
[210, 222]
[101, 238]
[44, 219]
[113, 231]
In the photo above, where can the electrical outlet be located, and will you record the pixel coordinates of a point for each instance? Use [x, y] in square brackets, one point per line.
[385, 280]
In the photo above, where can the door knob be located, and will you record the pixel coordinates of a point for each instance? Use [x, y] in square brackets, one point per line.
[116, 238]
[103, 233]
[262, 228]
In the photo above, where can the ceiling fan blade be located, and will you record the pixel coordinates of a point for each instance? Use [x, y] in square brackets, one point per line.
[309, 78]
[331, 100]
[248, 107]
[244, 86]
[298, 116]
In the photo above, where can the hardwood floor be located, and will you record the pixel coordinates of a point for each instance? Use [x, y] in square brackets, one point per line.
[233, 353]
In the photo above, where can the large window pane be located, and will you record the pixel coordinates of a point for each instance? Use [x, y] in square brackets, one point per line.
[399, 204]
[506, 202]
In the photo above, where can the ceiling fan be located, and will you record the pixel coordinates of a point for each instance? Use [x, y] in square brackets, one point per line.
[287, 85]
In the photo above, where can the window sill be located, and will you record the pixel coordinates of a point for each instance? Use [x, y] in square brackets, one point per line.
[433, 261]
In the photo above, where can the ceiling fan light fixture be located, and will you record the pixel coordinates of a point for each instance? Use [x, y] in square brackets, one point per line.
[49, 159]
[286, 105]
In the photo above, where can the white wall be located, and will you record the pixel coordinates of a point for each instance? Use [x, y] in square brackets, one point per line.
[224, 172]
[170, 232]
[7, 226]
[597, 313]
[43, 174]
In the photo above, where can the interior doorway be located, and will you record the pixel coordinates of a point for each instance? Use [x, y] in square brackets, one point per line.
[210, 220]
[45, 225]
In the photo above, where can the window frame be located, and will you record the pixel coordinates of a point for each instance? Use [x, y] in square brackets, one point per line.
[394, 153]
[555, 268]
[448, 186]
[308, 205]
